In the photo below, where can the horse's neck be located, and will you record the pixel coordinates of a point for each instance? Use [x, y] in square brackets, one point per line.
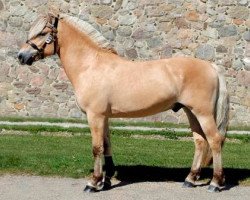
[77, 52]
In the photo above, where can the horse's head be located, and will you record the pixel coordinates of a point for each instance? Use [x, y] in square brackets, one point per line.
[42, 40]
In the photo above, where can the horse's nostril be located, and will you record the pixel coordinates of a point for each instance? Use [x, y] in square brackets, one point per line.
[19, 56]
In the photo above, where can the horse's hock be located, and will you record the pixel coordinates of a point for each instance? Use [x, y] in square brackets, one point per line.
[141, 30]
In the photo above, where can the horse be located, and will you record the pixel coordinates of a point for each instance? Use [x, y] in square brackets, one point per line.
[107, 85]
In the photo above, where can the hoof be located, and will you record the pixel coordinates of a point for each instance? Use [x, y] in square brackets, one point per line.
[107, 184]
[89, 189]
[188, 184]
[212, 188]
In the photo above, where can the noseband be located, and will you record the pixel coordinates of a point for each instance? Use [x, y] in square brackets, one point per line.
[51, 38]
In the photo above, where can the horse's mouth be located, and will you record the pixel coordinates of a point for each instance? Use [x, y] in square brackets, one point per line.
[30, 61]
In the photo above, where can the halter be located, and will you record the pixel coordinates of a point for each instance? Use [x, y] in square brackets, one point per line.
[51, 38]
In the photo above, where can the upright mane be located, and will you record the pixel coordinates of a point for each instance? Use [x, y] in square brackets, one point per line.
[89, 30]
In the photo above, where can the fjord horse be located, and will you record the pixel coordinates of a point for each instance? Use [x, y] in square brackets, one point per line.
[109, 86]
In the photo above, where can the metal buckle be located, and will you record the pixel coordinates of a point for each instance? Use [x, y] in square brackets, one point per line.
[49, 39]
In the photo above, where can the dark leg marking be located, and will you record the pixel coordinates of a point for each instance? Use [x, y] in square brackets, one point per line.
[110, 171]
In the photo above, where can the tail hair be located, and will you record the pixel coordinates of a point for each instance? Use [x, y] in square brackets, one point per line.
[221, 114]
[222, 103]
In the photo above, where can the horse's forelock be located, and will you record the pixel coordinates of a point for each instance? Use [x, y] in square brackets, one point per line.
[38, 26]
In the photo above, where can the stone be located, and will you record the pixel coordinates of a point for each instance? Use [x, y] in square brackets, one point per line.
[118, 5]
[113, 23]
[131, 53]
[247, 64]
[109, 35]
[226, 2]
[181, 23]
[221, 49]
[131, 6]
[154, 42]
[101, 11]
[34, 90]
[3, 25]
[20, 85]
[35, 3]
[62, 75]
[158, 11]
[37, 81]
[246, 36]
[15, 21]
[166, 52]
[165, 26]
[1, 5]
[34, 68]
[192, 16]
[237, 65]
[211, 33]
[243, 2]
[18, 10]
[75, 113]
[247, 51]
[141, 34]
[124, 31]
[60, 86]
[227, 31]
[238, 21]
[19, 106]
[243, 78]
[7, 39]
[127, 19]
[247, 23]
[129, 43]
[205, 52]
[239, 12]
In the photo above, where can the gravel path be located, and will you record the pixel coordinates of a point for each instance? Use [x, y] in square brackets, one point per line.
[81, 125]
[13, 187]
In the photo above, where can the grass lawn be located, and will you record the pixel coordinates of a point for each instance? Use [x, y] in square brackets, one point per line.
[136, 159]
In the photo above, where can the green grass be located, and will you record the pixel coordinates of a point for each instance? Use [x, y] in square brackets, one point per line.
[72, 157]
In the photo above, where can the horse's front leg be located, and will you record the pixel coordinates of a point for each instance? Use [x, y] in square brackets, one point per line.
[109, 164]
[97, 128]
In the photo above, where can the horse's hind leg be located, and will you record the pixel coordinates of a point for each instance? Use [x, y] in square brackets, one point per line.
[109, 164]
[215, 141]
[201, 147]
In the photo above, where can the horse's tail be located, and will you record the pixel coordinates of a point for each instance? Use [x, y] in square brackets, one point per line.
[221, 113]
[222, 104]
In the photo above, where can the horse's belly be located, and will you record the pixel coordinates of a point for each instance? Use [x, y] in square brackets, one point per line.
[141, 108]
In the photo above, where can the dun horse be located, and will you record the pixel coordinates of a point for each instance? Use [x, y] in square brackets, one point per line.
[109, 86]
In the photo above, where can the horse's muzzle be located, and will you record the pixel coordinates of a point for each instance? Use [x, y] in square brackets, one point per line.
[25, 58]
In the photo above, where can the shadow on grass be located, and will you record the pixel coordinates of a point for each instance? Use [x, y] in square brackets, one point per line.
[133, 174]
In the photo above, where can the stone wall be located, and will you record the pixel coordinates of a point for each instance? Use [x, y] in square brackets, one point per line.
[215, 30]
